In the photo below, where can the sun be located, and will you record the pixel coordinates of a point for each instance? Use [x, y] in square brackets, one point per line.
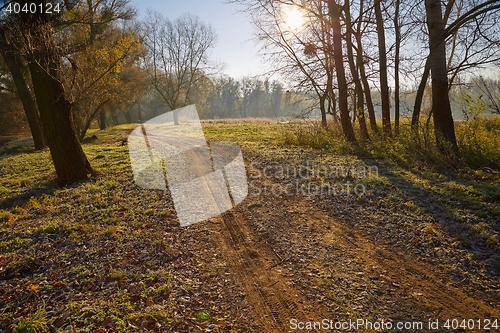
[294, 18]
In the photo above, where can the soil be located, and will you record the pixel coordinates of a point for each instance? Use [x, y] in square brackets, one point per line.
[274, 263]
[296, 263]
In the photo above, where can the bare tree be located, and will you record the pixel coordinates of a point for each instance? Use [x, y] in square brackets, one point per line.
[334, 9]
[397, 40]
[360, 105]
[470, 33]
[360, 61]
[441, 108]
[384, 85]
[301, 53]
[438, 33]
[178, 56]
[19, 71]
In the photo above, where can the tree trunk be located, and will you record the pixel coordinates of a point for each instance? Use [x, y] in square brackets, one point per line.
[420, 96]
[353, 104]
[368, 95]
[176, 117]
[358, 105]
[114, 117]
[332, 106]
[68, 157]
[444, 126]
[362, 74]
[70, 161]
[128, 116]
[85, 124]
[15, 64]
[102, 120]
[384, 86]
[397, 28]
[322, 102]
[334, 12]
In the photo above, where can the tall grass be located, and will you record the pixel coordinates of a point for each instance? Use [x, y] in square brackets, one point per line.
[311, 134]
[478, 143]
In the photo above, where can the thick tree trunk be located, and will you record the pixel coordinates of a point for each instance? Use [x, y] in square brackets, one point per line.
[384, 86]
[444, 126]
[15, 64]
[68, 157]
[334, 11]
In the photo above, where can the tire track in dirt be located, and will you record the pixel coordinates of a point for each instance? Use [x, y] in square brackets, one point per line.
[272, 297]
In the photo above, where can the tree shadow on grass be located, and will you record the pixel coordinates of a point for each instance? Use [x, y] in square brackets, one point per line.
[468, 210]
[49, 186]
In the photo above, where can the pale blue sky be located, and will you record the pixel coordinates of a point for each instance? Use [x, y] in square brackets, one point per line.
[234, 47]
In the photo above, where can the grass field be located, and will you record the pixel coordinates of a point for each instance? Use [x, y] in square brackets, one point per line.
[104, 255]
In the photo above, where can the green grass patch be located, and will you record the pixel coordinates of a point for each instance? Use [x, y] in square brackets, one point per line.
[91, 236]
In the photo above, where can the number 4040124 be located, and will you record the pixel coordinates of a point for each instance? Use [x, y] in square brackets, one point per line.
[32, 8]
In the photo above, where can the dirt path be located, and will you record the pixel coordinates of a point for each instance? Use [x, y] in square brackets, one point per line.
[257, 268]
[294, 261]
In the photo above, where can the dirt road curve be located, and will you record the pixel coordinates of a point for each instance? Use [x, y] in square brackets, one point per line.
[294, 261]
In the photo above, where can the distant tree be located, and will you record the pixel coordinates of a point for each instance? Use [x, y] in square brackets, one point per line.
[224, 100]
[482, 93]
[107, 72]
[178, 56]
[18, 67]
[12, 115]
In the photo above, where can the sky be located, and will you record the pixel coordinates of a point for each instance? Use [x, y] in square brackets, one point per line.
[235, 47]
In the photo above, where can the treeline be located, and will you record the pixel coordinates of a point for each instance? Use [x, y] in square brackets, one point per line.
[224, 97]
[344, 50]
[221, 97]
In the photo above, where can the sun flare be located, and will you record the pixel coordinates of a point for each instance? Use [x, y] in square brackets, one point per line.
[294, 18]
